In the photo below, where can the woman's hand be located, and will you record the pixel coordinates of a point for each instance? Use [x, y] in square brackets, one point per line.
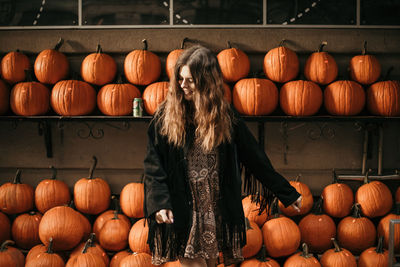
[164, 216]
[297, 204]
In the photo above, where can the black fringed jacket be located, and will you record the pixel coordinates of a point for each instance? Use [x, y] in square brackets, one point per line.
[166, 186]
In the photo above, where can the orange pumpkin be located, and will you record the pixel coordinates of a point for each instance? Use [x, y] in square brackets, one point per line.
[73, 98]
[383, 98]
[5, 227]
[172, 58]
[91, 247]
[50, 193]
[317, 229]
[51, 65]
[4, 97]
[365, 68]
[234, 64]
[64, 225]
[87, 256]
[92, 195]
[98, 68]
[16, 197]
[255, 97]
[344, 98]
[306, 202]
[13, 66]
[281, 64]
[118, 257]
[30, 99]
[113, 236]
[131, 200]
[300, 98]
[261, 261]
[137, 260]
[374, 198]
[383, 228]
[105, 217]
[356, 233]
[46, 258]
[25, 230]
[153, 95]
[10, 256]
[321, 67]
[338, 257]
[374, 256]
[138, 237]
[117, 99]
[142, 67]
[302, 259]
[251, 211]
[254, 239]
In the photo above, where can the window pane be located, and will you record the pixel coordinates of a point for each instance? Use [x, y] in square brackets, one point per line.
[125, 12]
[218, 12]
[383, 12]
[38, 12]
[313, 12]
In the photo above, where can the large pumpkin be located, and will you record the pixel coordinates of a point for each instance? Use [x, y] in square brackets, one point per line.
[142, 67]
[374, 197]
[374, 256]
[302, 259]
[50, 193]
[92, 195]
[114, 234]
[365, 68]
[338, 257]
[64, 225]
[153, 95]
[73, 98]
[321, 67]
[10, 256]
[98, 68]
[300, 98]
[383, 229]
[4, 97]
[255, 97]
[173, 57]
[13, 66]
[254, 239]
[25, 230]
[317, 230]
[131, 200]
[5, 227]
[46, 258]
[281, 64]
[51, 65]
[117, 99]
[383, 98]
[30, 99]
[344, 98]
[356, 233]
[138, 237]
[306, 202]
[16, 197]
[234, 63]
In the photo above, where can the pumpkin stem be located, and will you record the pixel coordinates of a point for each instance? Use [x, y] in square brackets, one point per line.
[337, 248]
[92, 167]
[99, 50]
[281, 43]
[88, 244]
[229, 44]
[366, 180]
[115, 200]
[387, 76]
[321, 46]
[59, 44]
[4, 245]
[379, 248]
[115, 215]
[54, 175]
[297, 177]
[304, 252]
[356, 210]
[183, 42]
[144, 41]
[92, 236]
[50, 246]
[17, 178]
[364, 51]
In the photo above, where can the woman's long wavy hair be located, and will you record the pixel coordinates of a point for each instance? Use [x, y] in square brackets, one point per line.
[208, 109]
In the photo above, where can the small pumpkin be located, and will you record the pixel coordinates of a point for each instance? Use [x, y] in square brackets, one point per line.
[300, 98]
[117, 99]
[13, 66]
[46, 258]
[25, 230]
[365, 68]
[92, 195]
[142, 67]
[153, 95]
[344, 98]
[138, 237]
[383, 228]
[255, 97]
[16, 197]
[172, 58]
[306, 202]
[254, 239]
[51, 65]
[302, 259]
[131, 200]
[4, 97]
[321, 67]
[10, 256]
[5, 227]
[281, 64]
[234, 64]
[50, 193]
[383, 98]
[338, 257]
[98, 68]
[374, 256]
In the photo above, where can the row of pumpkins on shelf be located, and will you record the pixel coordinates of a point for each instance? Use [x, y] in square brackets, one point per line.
[143, 67]
[68, 227]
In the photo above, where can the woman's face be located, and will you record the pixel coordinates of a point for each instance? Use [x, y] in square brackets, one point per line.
[186, 82]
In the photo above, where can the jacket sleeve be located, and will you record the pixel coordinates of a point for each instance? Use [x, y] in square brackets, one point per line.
[156, 193]
[257, 162]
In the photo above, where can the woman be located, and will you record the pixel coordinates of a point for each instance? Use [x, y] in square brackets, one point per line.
[197, 146]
